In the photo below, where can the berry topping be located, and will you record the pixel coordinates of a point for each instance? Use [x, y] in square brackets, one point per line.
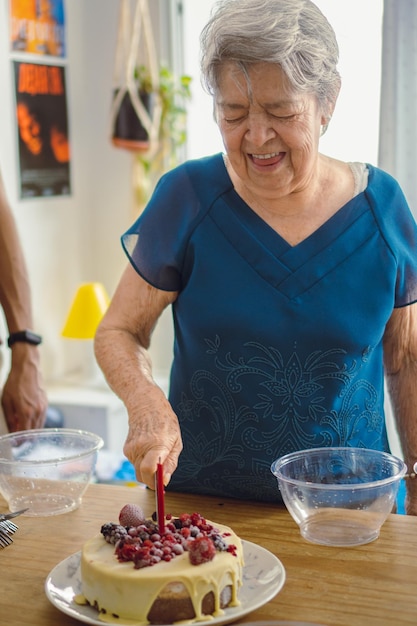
[139, 540]
[131, 515]
[201, 550]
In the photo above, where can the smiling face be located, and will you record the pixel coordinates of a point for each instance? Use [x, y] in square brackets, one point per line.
[270, 132]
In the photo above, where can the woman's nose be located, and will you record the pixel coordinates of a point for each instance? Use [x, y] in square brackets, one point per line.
[260, 130]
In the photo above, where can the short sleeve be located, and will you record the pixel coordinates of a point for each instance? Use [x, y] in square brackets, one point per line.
[155, 244]
[158, 242]
[399, 229]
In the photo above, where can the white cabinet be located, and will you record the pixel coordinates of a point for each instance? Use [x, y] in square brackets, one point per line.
[97, 410]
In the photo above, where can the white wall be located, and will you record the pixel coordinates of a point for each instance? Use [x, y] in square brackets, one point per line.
[75, 239]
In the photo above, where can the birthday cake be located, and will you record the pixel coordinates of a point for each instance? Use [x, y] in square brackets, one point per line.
[132, 571]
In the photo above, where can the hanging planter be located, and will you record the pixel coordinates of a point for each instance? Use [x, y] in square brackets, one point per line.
[128, 130]
[173, 93]
[135, 112]
[148, 115]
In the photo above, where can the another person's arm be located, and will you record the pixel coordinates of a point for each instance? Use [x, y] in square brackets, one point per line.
[400, 356]
[23, 399]
[121, 347]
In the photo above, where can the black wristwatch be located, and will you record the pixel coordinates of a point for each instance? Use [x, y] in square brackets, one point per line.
[24, 336]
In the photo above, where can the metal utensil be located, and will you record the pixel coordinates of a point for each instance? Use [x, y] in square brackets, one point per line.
[7, 516]
[8, 528]
[5, 539]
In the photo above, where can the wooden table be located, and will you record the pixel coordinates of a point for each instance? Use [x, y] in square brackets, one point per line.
[371, 585]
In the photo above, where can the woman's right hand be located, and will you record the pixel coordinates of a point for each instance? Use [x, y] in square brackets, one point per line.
[154, 437]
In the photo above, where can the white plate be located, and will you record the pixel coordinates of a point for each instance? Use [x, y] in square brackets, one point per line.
[282, 623]
[263, 578]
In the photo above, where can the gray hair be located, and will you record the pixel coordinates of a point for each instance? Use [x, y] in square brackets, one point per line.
[293, 34]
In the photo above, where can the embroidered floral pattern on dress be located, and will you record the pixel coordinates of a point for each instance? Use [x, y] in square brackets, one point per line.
[228, 445]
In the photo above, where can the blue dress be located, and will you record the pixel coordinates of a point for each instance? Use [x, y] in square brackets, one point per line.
[277, 348]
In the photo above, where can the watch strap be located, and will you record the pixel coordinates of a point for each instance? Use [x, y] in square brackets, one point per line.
[24, 336]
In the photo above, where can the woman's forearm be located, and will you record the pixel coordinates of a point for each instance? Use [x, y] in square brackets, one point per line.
[154, 433]
[121, 347]
[402, 387]
[400, 360]
[126, 365]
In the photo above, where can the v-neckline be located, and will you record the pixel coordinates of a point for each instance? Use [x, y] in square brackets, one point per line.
[273, 238]
[255, 220]
[293, 269]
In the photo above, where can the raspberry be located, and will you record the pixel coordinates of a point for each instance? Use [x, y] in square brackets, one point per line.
[185, 519]
[201, 550]
[131, 515]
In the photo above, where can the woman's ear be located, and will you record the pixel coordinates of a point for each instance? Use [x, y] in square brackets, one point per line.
[329, 109]
[331, 102]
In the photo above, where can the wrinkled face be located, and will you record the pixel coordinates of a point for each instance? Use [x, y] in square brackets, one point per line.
[270, 132]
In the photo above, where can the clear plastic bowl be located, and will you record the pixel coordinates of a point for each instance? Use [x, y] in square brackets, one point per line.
[339, 496]
[47, 470]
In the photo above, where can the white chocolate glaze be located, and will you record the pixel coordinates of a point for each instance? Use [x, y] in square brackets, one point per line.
[128, 593]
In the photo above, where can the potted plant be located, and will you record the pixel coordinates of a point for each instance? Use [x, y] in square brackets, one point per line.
[153, 157]
[172, 92]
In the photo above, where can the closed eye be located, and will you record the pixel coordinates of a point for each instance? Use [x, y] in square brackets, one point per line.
[283, 117]
[234, 120]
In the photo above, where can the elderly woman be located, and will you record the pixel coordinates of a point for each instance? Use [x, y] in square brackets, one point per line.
[291, 276]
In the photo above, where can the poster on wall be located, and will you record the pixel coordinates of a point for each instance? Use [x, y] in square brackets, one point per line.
[38, 27]
[42, 129]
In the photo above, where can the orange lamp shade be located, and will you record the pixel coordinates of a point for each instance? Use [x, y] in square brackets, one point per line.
[88, 307]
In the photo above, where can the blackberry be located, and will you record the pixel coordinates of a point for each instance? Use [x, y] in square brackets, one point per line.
[113, 532]
[219, 542]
